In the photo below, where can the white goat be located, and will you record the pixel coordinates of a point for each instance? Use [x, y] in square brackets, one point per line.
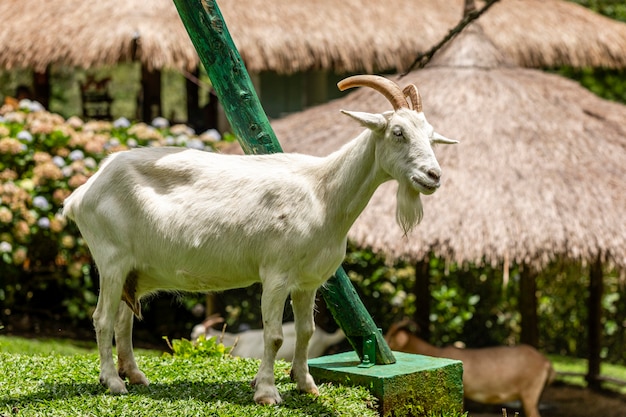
[249, 343]
[492, 375]
[185, 220]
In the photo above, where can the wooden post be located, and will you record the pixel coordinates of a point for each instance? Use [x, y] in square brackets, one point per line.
[209, 34]
[594, 323]
[151, 94]
[528, 308]
[421, 290]
[41, 87]
[193, 98]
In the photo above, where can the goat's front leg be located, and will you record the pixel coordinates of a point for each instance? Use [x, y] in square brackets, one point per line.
[303, 303]
[104, 319]
[126, 365]
[272, 305]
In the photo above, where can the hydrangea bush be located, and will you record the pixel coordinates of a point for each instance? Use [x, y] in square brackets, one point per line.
[43, 158]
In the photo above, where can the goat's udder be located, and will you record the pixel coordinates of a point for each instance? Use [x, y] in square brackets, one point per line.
[129, 294]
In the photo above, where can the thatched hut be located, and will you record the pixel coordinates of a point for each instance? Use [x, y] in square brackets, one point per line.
[287, 36]
[537, 176]
[311, 39]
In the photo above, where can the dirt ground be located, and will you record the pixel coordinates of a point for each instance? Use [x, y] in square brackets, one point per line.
[565, 401]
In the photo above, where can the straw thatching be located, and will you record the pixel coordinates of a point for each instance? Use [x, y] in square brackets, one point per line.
[86, 34]
[538, 174]
[298, 35]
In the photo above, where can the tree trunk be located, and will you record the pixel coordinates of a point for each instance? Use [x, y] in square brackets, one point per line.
[193, 100]
[594, 323]
[422, 298]
[528, 308]
[150, 94]
[41, 87]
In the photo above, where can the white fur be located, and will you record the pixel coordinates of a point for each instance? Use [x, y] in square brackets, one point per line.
[180, 219]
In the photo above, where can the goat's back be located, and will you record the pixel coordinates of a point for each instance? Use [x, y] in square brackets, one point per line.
[212, 221]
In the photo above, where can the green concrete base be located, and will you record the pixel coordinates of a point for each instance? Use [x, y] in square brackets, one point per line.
[415, 385]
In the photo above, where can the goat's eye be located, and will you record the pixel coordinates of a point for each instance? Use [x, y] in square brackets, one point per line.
[397, 133]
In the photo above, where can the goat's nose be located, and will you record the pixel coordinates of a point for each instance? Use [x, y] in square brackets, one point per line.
[434, 174]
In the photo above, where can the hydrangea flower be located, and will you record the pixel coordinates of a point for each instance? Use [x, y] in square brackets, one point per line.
[112, 143]
[41, 203]
[121, 123]
[47, 171]
[36, 106]
[212, 135]
[58, 161]
[181, 129]
[6, 215]
[181, 140]
[160, 122]
[90, 162]
[195, 144]
[77, 155]
[24, 104]
[44, 223]
[25, 135]
[31, 105]
[5, 247]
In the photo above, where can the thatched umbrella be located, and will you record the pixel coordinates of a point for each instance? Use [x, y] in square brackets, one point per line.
[538, 175]
[297, 35]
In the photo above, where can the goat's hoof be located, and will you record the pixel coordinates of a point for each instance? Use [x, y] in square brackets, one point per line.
[115, 385]
[137, 378]
[268, 396]
[308, 386]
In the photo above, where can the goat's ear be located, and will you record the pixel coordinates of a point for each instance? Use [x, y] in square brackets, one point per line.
[372, 121]
[437, 138]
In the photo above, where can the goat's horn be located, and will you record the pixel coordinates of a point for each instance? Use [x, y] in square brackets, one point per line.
[211, 320]
[386, 87]
[416, 100]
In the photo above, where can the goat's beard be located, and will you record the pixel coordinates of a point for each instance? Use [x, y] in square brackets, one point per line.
[409, 209]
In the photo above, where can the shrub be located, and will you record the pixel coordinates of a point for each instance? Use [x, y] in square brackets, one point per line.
[43, 158]
[203, 347]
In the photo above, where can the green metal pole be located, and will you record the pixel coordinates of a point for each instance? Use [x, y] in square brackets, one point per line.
[229, 77]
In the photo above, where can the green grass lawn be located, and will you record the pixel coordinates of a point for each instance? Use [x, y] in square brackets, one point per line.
[60, 378]
[52, 378]
[566, 364]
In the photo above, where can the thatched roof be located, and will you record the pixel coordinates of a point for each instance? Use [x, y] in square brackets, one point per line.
[538, 174]
[81, 33]
[296, 35]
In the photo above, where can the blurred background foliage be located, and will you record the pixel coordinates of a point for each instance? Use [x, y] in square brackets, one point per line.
[607, 83]
[476, 305]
